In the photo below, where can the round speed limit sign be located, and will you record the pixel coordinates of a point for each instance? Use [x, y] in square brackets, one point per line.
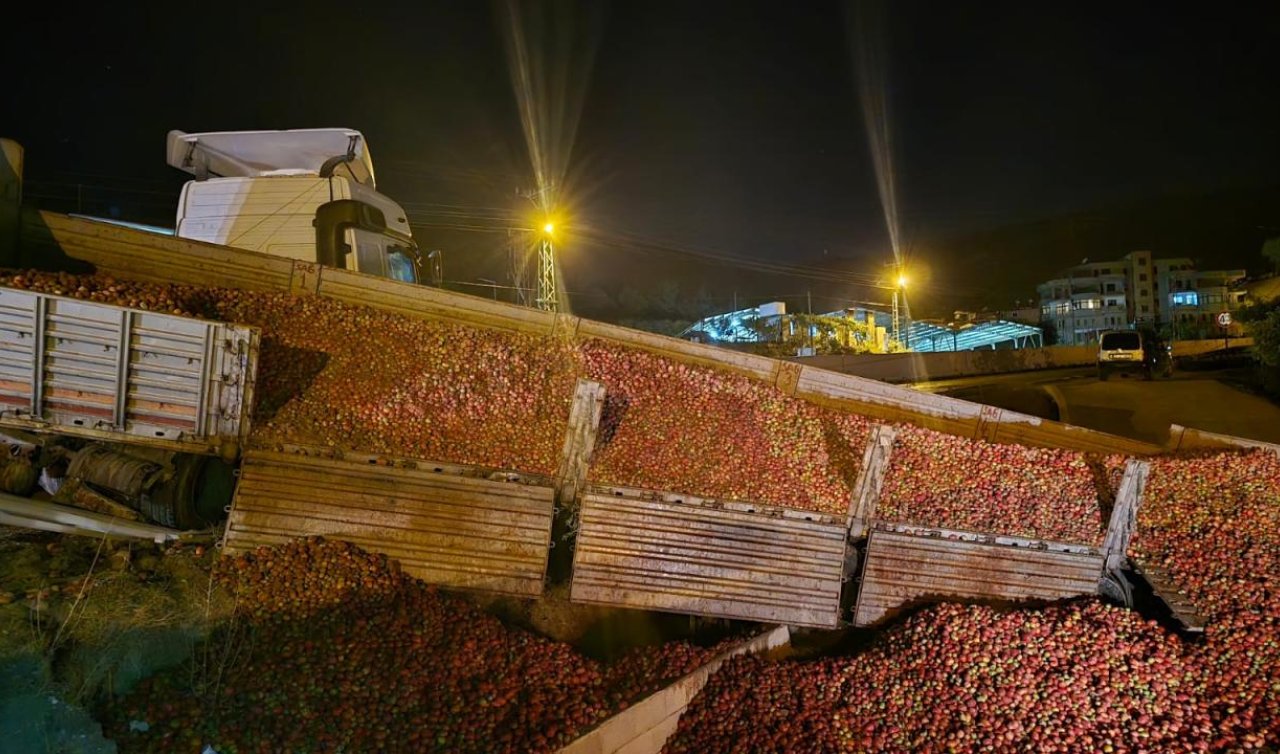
[1224, 319]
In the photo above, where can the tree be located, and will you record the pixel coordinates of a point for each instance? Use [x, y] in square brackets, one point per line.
[1262, 323]
[1271, 252]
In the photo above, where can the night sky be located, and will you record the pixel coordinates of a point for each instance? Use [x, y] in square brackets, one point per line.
[729, 128]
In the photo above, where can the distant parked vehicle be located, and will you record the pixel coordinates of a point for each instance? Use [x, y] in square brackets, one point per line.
[1133, 351]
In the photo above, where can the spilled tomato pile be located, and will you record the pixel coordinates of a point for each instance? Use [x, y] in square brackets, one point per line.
[1078, 676]
[695, 430]
[447, 392]
[1212, 522]
[341, 652]
[357, 378]
[935, 479]
[1069, 678]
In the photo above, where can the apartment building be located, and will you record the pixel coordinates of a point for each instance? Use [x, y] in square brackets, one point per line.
[1138, 291]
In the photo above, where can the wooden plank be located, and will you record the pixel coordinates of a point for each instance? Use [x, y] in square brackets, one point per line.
[691, 557]
[904, 568]
[1188, 438]
[579, 441]
[421, 301]
[866, 491]
[139, 255]
[1020, 429]
[684, 351]
[461, 530]
[1124, 515]
[644, 727]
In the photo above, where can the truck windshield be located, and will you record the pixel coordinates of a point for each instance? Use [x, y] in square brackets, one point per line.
[1121, 341]
[383, 256]
[401, 267]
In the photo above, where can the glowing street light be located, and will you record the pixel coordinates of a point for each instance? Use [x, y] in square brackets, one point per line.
[548, 293]
[900, 290]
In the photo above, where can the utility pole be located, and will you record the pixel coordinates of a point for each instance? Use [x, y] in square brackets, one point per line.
[897, 325]
[548, 295]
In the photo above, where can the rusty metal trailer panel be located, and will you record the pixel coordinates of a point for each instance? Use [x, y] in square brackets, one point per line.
[108, 372]
[455, 526]
[906, 565]
[683, 554]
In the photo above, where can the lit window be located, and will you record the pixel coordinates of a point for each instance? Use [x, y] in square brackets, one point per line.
[1186, 298]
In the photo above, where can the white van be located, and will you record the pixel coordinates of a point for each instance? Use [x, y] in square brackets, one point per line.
[1122, 351]
[303, 194]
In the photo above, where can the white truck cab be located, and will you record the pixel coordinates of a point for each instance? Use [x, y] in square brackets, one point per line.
[306, 194]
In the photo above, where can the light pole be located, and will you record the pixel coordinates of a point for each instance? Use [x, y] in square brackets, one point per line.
[548, 297]
[899, 288]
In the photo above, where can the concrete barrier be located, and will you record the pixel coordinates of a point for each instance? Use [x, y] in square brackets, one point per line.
[920, 367]
[644, 727]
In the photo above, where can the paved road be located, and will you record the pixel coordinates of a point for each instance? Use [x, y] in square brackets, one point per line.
[1016, 379]
[1126, 406]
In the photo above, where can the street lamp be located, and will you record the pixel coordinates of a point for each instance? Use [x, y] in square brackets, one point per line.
[548, 293]
[899, 289]
[548, 297]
